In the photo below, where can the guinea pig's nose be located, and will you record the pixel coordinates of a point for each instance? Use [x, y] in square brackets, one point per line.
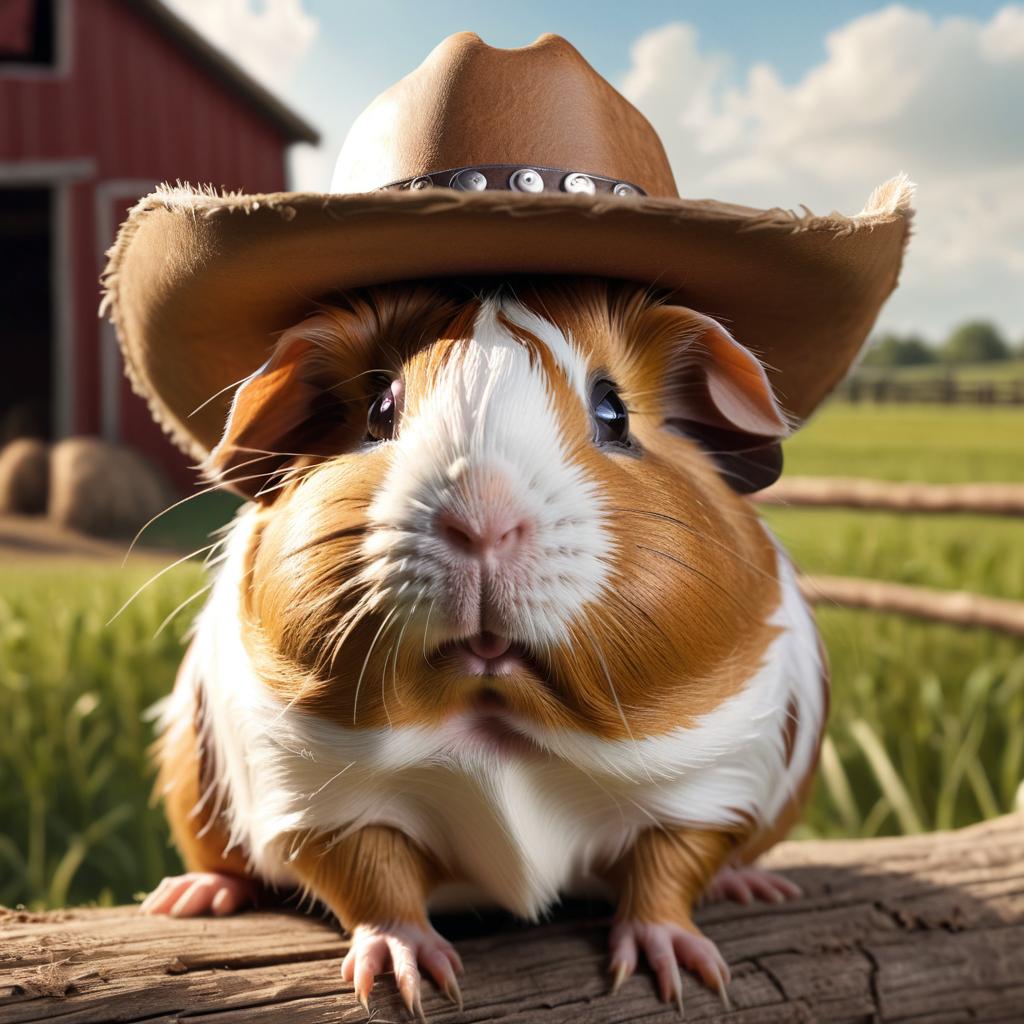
[500, 534]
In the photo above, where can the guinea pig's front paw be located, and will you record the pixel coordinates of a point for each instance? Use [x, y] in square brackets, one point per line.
[200, 892]
[745, 884]
[666, 946]
[408, 947]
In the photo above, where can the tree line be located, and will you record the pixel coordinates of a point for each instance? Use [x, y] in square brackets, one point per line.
[977, 341]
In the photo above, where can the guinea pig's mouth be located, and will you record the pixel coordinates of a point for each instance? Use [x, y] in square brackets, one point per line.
[491, 654]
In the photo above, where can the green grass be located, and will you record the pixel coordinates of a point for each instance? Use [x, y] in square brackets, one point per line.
[77, 824]
[927, 723]
[937, 443]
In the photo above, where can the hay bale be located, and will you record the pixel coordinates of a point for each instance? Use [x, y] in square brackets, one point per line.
[24, 477]
[103, 489]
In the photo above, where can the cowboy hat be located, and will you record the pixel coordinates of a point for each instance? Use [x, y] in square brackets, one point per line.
[486, 161]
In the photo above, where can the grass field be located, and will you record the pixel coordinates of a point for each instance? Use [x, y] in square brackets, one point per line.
[927, 726]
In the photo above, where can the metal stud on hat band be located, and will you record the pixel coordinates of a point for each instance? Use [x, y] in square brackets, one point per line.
[518, 178]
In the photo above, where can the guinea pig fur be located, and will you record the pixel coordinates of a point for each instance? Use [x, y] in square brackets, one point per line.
[494, 628]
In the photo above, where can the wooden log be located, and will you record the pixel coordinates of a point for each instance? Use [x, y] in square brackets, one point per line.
[953, 607]
[924, 928]
[852, 492]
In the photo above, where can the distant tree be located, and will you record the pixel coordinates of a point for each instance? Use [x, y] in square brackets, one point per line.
[898, 350]
[974, 342]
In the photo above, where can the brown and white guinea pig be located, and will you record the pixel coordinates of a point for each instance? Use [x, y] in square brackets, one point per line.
[495, 628]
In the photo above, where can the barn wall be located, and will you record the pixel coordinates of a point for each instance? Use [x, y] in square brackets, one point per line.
[134, 102]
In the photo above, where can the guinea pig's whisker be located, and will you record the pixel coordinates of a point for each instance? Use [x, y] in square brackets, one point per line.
[281, 478]
[188, 600]
[170, 508]
[363, 373]
[366, 661]
[335, 639]
[392, 651]
[345, 590]
[352, 617]
[152, 579]
[265, 452]
[215, 396]
[426, 628]
[618, 706]
[396, 648]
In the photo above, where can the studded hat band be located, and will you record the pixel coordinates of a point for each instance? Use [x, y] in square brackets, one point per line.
[514, 178]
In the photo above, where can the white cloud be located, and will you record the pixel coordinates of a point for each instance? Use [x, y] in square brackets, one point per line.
[267, 39]
[897, 90]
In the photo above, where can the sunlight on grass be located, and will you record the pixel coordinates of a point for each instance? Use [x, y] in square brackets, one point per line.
[77, 821]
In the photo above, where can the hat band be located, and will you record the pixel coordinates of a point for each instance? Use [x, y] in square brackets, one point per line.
[517, 178]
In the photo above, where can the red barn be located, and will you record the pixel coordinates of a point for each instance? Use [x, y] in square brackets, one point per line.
[100, 100]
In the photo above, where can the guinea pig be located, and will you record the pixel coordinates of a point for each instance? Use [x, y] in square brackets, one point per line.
[495, 628]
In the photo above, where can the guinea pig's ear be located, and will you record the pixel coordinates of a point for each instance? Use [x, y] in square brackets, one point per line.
[267, 412]
[720, 397]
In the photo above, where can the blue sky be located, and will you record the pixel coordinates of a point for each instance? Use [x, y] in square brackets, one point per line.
[764, 104]
[386, 37]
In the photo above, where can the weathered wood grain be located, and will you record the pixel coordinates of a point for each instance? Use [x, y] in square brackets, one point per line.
[926, 928]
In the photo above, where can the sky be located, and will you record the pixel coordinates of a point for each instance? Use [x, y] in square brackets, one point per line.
[785, 104]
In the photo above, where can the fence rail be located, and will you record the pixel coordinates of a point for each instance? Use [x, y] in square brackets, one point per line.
[931, 390]
[853, 492]
[953, 607]
[956, 608]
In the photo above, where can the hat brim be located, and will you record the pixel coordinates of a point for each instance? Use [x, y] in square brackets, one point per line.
[199, 284]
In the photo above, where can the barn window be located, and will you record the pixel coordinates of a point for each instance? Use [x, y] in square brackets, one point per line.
[28, 32]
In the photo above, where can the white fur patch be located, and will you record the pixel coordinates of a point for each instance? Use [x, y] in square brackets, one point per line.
[521, 830]
[491, 410]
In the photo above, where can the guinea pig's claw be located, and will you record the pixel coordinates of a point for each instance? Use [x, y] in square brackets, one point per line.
[410, 948]
[454, 993]
[671, 983]
[667, 946]
[620, 972]
[412, 999]
[723, 994]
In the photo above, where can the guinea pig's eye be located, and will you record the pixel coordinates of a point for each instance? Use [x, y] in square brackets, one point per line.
[610, 417]
[383, 414]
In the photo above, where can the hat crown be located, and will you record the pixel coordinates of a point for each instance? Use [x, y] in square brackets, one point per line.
[470, 104]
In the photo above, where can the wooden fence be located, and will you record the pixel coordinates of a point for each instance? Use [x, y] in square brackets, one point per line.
[958, 608]
[945, 390]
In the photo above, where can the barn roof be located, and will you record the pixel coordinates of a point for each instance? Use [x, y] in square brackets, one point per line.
[222, 67]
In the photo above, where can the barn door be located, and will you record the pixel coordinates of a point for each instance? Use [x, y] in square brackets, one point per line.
[26, 327]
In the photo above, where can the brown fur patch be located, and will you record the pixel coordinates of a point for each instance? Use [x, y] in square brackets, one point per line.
[183, 783]
[375, 876]
[666, 871]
